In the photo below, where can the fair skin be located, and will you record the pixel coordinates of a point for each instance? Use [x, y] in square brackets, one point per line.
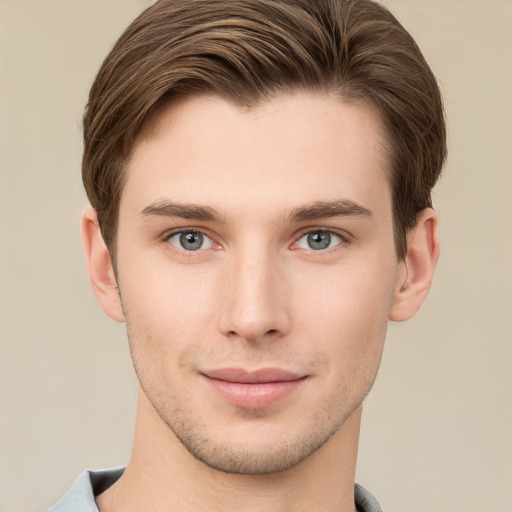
[257, 272]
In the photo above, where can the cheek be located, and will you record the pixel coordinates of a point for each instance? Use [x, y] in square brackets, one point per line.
[347, 314]
[168, 313]
[162, 293]
[349, 298]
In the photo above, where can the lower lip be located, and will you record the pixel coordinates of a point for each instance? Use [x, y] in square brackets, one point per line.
[254, 396]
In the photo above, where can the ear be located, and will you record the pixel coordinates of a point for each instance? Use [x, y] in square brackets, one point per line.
[417, 270]
[100, 267]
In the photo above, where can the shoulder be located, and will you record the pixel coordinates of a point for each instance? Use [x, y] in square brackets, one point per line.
[365, 500]
[80, 497]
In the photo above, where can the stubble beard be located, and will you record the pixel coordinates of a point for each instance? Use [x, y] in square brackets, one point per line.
[249, 457]
[243, 459]
[238, 458]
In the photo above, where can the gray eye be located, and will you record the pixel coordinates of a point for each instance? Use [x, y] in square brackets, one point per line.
[319, 240]
[190, 240]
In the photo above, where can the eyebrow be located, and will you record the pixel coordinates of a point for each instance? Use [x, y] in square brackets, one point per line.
[326, 209]
[312, 211]
[165, 208]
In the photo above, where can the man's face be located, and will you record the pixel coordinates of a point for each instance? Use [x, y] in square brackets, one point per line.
[257, 268]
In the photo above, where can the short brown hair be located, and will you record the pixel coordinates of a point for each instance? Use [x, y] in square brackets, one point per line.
[246, 51]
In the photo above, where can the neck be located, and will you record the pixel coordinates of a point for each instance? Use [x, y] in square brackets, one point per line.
[162, 473]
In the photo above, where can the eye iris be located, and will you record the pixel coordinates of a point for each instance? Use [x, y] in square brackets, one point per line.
[319, 240]
[191, 241]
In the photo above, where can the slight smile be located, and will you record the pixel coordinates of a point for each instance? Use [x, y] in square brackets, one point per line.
[253, 389]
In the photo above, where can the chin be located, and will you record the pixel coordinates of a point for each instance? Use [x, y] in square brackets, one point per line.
[261, 448]
[240, 460]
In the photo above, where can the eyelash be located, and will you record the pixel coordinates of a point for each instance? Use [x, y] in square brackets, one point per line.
[190, 253]
[344, 240]
[343, 236]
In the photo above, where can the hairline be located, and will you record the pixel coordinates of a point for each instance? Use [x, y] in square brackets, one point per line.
[151, 124]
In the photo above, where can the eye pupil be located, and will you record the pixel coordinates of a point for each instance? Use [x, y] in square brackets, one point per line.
[318, 240]
[191, 241]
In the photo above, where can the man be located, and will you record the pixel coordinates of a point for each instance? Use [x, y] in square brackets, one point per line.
[259, 174]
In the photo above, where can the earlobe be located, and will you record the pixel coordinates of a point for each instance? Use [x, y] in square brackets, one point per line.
[100, 268]
[417, 270]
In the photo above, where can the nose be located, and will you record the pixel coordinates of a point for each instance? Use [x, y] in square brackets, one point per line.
[255, 298]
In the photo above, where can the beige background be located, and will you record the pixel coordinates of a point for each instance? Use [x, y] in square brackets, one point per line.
[437, 432]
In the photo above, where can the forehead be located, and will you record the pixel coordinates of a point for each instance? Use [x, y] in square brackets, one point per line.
[292, 149]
